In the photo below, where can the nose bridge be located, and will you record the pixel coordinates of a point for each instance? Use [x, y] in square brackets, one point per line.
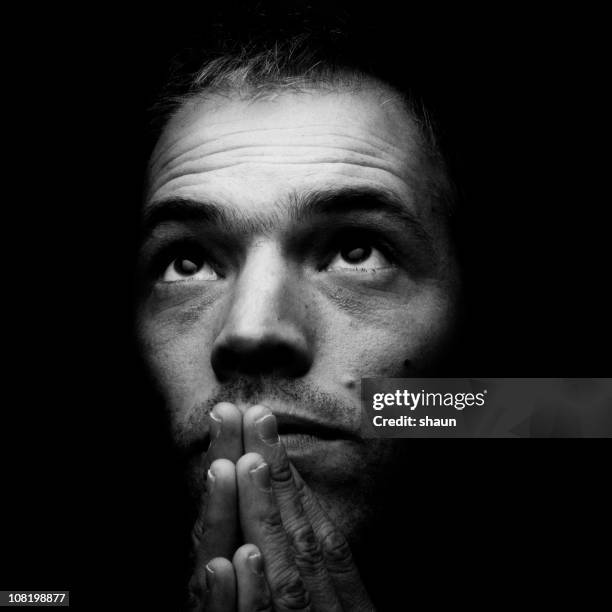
[265, 331]
[263, 298]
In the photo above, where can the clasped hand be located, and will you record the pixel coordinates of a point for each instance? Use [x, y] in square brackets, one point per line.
[291, 556]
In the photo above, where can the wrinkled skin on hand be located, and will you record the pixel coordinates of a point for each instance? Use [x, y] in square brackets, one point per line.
[292, 556]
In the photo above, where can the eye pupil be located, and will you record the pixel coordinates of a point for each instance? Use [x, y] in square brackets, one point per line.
[185, 266]
[356, 254]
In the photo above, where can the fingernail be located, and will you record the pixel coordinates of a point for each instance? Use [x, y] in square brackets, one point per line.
[266, 428]
[216, 423]
[255, 563]
[261, 477]
[210, 576]
[210, 479]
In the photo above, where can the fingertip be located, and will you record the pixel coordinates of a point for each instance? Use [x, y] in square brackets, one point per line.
[221, 584]
[246, 551]
[222, 468]
[218, 565]
[260, 430]
[254, 413]
[218, 571]
[248, 462]
[226, 432]
[225, 411]
[252, 588]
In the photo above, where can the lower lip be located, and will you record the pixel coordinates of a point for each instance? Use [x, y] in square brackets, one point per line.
[297, 444]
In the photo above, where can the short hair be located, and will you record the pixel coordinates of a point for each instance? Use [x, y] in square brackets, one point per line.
[256, 68]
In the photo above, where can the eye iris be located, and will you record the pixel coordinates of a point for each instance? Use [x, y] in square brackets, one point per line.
[356, 255]
[185, 266]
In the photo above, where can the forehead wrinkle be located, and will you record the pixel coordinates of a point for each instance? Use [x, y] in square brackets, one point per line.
[247, 147]
[319, 163]
[393, 150]
[363, 87]
[190, 155]
[317, 156]
[373, 142]
[156, 155]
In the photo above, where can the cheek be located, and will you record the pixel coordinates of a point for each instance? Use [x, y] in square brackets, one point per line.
[381, 341]
[176, 347]
[180, 371]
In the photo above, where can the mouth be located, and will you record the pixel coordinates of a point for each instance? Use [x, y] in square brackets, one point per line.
[292, 425]
[297, 433]
[300, 434]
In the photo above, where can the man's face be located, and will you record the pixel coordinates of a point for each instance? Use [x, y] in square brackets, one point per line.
[291, 249]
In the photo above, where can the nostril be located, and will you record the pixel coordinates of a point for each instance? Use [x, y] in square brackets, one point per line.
[241, 357]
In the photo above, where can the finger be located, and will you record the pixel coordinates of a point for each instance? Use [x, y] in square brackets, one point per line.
[252, 590]
[225, 433]
[215, 533]
[261, 436]
[225, 422]
[336, 552]
[221, 583]
[262, 525]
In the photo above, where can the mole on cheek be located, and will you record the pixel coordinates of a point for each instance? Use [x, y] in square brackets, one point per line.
[349, 382]
[408, 368]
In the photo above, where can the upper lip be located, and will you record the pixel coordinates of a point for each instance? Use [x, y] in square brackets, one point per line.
[296, 424]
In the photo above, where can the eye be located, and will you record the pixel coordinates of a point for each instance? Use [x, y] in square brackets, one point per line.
[360, 256]
[189, 267]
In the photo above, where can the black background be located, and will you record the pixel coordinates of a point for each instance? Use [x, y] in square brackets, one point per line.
[89, 486]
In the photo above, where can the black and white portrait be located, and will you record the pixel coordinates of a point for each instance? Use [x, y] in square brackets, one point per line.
[256, 207]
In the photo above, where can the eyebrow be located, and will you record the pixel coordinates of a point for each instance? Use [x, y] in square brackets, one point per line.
[302, 207]
[348, 201]
[182, 210]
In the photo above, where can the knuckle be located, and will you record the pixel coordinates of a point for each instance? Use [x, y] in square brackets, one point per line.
[337, 551]
[300, 487]
[195, 594]
[281, 472]
[263, 604]
[306, 548]
[291, 594]
[271, 522]
[197, 531]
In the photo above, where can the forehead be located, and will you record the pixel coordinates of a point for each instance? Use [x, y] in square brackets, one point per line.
[285, 143]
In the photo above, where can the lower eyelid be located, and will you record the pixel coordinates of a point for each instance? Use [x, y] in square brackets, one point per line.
[355, 273]
[361, 270]
[187, 281]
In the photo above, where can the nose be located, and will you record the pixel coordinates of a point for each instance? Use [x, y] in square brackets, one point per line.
[265, 331]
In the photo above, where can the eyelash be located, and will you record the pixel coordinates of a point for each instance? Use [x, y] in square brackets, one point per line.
[338, 241]
[325, 251]
[184, 248]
